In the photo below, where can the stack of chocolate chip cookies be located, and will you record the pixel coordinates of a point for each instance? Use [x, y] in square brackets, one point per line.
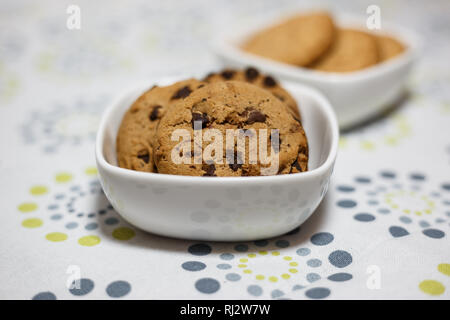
[314, 41]
[241, 101]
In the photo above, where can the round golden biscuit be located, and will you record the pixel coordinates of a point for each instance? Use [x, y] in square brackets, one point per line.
[220, 108]
[352, 50]
[299, 40]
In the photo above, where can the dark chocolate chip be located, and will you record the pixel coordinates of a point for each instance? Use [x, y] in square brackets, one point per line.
[256, 116]
[182, 93]
[155, 112]
[236, 162]
[269, 81]
[227, 74]
[203, 117]
[296, 165]
[210, 169]
[144, 157]
[251, 74]
[200, 86]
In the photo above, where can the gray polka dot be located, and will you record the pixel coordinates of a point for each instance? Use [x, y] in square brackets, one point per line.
[424, 224]
[318, 293]
[71, 225]
[118, 289]
[344, 188]
[227, 256]
[207, 285]
[282, 243]
[340, 258]
[417, 176]
[434, 233]
[261, 243]
[397, 232]
[446, 186]
[59, 196]
[111, 221]
[439, 220]
[241, 247]
[372, 202]
[297, 287]
[363, 180]
[199, 216]
[388, 174]
[46, 295]
[314, 263]
[212, 204]
[312, 277]
[199, 249]
[91, 226]
[224, 266]
[384, 211]
[255, 290]
[364, 217]
[233, 277]
[346, 203]
[322, 238]
[91, 215]
[339, 277]
[405, 219]
[303, 252]
[193, 266]
[56, 216]
[81, 287]
[53, 206]
[276, 294]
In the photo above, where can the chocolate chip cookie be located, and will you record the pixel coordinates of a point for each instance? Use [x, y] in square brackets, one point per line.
[219, 114]
[252, 75]
[351, 50]
[137, 130]
[299, 40]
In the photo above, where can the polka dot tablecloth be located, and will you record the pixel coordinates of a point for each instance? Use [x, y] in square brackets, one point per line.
[382, 231]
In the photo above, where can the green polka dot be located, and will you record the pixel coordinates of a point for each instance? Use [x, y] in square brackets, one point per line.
[63, 177]
[432, 287]
[91, 171]
[89, 241]
[56, 236]
[32, 223]
[27, 207]
[38, 190]
[123, 233]
[444, 268]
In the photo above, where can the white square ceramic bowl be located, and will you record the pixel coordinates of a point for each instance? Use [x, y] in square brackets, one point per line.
[220, 208]
[355, 96]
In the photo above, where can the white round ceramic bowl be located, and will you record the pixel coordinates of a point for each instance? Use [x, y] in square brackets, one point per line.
[356, 96]
[220, 208]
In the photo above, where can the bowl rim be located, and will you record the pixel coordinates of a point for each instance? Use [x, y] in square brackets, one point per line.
[225, 46]
[323, 105]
